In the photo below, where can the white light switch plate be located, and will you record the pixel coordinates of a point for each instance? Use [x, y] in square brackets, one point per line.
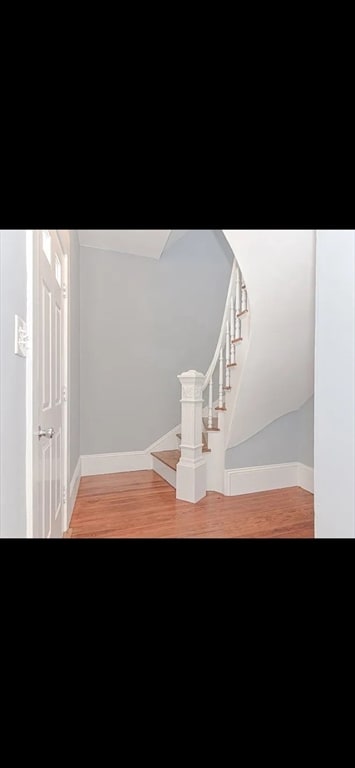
[20, 337]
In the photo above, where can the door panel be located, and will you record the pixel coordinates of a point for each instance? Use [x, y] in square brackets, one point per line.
[57, 361]
[48, 384]
[45, 499]
[45, 324]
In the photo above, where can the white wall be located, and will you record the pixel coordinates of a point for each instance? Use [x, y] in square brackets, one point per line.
[278, 376]
[335, 385]
[139, 242]
[176, 234]
[13, 300]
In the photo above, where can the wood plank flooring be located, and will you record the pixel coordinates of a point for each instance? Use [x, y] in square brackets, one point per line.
[143, 505]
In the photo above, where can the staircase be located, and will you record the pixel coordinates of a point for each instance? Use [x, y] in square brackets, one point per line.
[171, 459]
[196, 465]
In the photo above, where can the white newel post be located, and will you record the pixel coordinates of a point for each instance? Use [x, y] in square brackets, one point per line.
[191, 471]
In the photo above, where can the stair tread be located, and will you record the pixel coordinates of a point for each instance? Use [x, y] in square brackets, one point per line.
[215, 427]
[170, 458]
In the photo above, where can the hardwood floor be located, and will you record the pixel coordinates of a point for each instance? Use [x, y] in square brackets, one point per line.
[143, 505]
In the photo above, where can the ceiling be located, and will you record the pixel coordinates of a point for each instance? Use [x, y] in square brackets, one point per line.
[139, 242]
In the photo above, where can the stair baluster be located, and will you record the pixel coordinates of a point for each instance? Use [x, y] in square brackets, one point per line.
[210, 405]
[244, 299]
[228, 357]
[238, 293]
[232, 331]
[221, 406]
[238, 328]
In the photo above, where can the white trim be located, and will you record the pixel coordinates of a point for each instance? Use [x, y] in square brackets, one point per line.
[257, 479]
[166, 443]
[237, 481]
[133, 461]
[306, 478]
[110, 463]
[73, 491]
[32, 276]
[167, 473]
[29, 384]
[267, 478]
[65, 381]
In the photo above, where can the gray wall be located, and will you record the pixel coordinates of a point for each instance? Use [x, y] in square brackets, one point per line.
[306, 434]
[288, 439]
[142, 323]
[13, 300]
[335, 384]
[74, 363]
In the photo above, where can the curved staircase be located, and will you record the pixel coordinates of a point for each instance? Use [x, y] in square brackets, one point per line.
[263, 367]
[197, 463]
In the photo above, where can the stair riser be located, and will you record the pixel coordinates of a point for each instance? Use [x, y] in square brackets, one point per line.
[165, 472]
[215, 471]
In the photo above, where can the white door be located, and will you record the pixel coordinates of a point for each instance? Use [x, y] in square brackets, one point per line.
[49, 436]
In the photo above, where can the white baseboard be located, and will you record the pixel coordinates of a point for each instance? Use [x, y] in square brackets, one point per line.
[134, 461]
[256, 479]
[110, 463]
[270, 478]
[306, 478]
[73, 490]
[164, 471]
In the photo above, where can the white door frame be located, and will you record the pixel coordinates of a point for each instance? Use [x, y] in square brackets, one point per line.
[31, 417]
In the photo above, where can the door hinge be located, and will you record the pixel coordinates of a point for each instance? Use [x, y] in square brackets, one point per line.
[65, 291]
[65, 496]
[65, 395]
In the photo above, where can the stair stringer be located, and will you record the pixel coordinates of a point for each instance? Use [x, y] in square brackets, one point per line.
[237, 376]
[166, 443]
[165, 472]
[279, 269]
[218, 441]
